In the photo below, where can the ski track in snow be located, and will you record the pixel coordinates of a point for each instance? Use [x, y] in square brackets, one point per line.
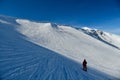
[73, 44]
[40, 65]
[24, 60]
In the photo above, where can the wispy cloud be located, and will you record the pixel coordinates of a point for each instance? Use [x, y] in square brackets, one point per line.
[5, 22]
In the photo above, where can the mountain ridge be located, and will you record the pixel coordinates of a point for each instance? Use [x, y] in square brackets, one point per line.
[100, 35]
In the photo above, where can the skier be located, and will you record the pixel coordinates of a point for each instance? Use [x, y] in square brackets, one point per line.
[84, 65]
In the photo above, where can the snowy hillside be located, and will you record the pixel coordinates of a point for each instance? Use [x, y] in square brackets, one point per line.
[108, 38]
[45, 51]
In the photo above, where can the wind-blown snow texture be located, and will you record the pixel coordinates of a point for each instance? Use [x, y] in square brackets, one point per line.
[44, 51]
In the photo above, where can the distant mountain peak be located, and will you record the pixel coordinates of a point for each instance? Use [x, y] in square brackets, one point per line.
[87, 28]
[101, 35]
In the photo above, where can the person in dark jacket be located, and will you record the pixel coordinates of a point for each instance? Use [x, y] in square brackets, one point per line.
[84, 65]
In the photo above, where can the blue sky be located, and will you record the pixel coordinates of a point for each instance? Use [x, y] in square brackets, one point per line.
[100, 14]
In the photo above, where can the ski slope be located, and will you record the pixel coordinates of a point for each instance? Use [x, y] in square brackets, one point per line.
[44, 51]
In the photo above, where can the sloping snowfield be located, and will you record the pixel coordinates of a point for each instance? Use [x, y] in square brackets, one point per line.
[44, 51]
[108, 38]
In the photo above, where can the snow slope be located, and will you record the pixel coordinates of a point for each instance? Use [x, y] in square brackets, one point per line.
[108, 38]
[44, 51]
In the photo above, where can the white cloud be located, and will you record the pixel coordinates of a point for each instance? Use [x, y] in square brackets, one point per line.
[5, 22]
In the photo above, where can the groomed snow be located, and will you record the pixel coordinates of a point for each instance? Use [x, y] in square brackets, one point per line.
[40, 51]
[73, 44]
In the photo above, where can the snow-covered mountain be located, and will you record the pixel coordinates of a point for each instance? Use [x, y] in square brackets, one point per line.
[32, 50]
[108, 38]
